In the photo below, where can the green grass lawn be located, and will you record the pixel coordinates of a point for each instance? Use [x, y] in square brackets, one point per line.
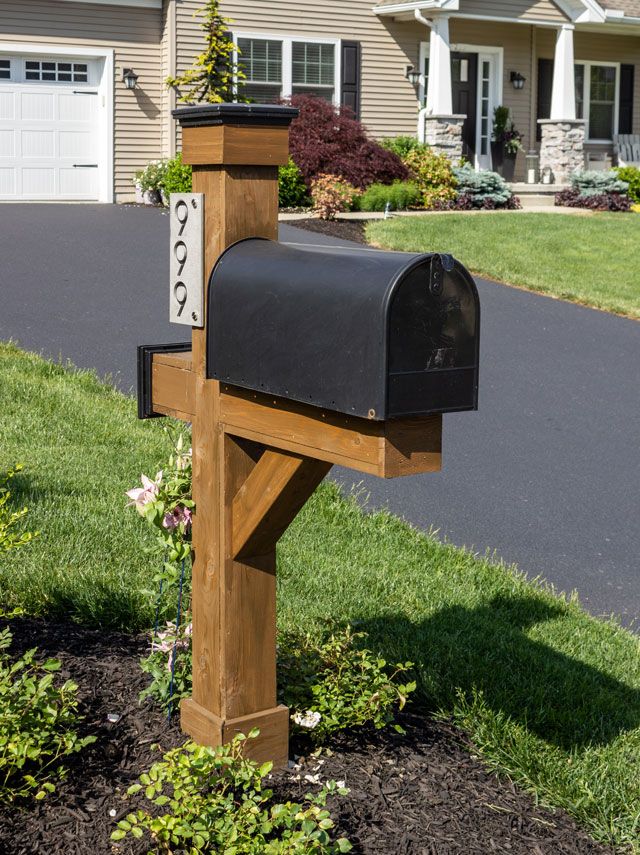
[550, 695]
[588, 259]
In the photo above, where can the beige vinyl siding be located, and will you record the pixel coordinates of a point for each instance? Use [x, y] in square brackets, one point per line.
[601, 47]
[538, 10]
[134, 34]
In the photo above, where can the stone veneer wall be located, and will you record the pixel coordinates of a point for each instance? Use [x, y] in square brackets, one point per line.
[444, 134]
[562, 147]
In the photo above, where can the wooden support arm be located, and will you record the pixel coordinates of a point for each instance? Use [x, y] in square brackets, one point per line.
[270, 499]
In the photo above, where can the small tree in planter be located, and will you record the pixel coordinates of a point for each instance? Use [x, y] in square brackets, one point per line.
[506, 141]
[214, 73]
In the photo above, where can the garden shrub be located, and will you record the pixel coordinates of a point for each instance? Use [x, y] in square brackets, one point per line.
[483, 189]
[292, 191]
[403, 145]
[178, 176]
[153, 176]
[631, 176]
[334, 684]
[331, 195]
[572, 198]
[433, 174]
[400, 195]
[37, 725]
[324, 140]
[214, 800]
[594, 183]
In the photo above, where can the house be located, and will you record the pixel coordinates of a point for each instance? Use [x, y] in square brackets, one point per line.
[71, 128]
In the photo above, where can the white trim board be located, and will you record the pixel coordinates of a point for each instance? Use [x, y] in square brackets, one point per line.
[145, 4]
[105, 90]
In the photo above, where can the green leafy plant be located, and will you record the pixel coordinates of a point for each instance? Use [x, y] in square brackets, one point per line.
[214, 73]
[37, 724]
[505, 132]
[178, 177]
[153, 176]
[331, 195]
[169, 665]
[433, 174]
[292, 191]
[482, 189]
[214, 800]
[10, 537]
[403, 145]
[631, 176]
[335, 683]
[400, 195]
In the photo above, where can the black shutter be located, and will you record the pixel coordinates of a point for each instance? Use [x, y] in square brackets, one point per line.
[350, 77]
[625, 116]
[545, 84]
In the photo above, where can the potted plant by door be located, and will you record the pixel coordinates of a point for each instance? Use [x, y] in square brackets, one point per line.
[506, 141]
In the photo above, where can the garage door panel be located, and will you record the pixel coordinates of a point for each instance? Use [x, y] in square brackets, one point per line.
[7, 143]
[49, 134]
[7, 181]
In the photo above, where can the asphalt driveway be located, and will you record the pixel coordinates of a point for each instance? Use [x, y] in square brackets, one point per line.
[546, 474]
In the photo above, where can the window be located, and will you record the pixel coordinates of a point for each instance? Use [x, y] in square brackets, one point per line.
[56, 72]
[5, 69]
[596, 98]
[261, 62]
[313, 69]
[276, 68]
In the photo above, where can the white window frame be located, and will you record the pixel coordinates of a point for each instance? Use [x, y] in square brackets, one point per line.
[287, 56]
[586, 97]
[486, 53]
[104, 86]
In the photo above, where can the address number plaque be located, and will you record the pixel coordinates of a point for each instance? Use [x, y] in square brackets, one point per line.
[186, 266]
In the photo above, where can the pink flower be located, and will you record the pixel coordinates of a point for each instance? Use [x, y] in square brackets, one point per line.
[141, 496]
[179, 515]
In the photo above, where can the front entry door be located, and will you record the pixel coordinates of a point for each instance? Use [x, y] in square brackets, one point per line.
[464, 81]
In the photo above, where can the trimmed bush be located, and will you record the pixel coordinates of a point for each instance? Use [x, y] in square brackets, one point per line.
[592, 183]
[324, 140]
[292, 191]
[401, 195]
[433, 175]
[482, 189]
[403, 145]
[331, 195]
[178, 176]
[631, 176]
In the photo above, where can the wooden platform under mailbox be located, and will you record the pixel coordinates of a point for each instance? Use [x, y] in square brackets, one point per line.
[387, 449]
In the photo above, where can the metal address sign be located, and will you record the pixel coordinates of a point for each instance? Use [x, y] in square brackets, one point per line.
[186, 266]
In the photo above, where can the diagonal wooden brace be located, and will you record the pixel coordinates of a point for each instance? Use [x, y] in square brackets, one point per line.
[270, 499]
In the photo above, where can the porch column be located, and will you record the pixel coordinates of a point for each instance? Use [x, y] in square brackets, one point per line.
[439, 97]
[563, 91]
[442, 130]
[562, 146]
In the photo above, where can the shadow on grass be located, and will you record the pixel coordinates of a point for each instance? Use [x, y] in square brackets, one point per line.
[485, 649]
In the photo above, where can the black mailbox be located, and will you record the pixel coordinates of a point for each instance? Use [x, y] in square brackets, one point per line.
[375, 334]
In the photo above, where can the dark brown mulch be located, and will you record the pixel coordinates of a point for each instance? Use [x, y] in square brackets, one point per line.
[423, 793]
[344, 229]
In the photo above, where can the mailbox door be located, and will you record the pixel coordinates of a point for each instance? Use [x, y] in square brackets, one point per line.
[434, 341]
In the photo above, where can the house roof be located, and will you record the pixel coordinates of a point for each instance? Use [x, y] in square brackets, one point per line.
[631, 8]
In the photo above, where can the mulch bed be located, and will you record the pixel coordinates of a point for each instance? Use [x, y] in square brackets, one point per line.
[352, 230]
[423, 793]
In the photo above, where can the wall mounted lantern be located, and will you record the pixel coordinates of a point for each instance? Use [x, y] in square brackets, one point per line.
[517, 80]
[130, 78]
[412, 74]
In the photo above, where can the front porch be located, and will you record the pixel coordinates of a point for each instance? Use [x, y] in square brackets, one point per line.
[569, 85]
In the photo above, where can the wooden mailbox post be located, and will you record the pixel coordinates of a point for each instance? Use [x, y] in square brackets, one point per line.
[256, 458]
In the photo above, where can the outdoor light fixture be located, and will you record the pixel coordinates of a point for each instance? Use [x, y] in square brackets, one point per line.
[130, 78]
[517, 80]
[412, 75]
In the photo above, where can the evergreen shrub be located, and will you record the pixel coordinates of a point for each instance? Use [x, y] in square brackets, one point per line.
[401, 195]
[292, 191]
[631, 176]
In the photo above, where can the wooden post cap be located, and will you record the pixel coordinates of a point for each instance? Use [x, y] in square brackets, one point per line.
[235, 134]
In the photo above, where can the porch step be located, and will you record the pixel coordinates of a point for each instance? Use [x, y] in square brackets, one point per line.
[530, 200]
[522, 189]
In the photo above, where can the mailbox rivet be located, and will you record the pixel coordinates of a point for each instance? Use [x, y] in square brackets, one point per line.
[372, 414]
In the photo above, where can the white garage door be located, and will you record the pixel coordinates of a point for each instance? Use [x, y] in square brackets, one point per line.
[49, 128]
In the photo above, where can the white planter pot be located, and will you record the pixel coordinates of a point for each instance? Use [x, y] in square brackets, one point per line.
[139, 195]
